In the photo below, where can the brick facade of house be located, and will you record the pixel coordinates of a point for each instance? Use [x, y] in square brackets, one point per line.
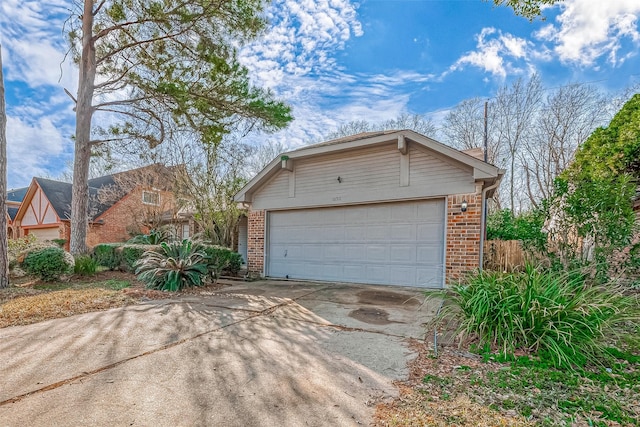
[463, 236]
[255, 242]
[123, 219]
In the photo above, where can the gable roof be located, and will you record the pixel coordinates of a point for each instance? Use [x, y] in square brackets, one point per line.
[17, 194]
[12, 211]
[482, 171]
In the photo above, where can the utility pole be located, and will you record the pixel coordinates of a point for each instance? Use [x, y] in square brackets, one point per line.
[486, 151]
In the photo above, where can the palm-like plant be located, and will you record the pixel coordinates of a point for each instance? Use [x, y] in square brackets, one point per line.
[179, 265]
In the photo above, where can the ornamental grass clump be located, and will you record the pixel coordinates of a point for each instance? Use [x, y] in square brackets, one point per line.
[556, 315]
[177, 265]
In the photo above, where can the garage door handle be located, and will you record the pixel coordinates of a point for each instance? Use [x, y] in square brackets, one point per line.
[285, 253]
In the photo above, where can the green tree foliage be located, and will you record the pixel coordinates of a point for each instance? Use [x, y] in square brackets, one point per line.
[615, 149]
[158, 66]
[526, 227]
[596, 191]
[528, 8]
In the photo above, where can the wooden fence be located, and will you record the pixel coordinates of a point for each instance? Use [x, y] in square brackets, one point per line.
[503, 255]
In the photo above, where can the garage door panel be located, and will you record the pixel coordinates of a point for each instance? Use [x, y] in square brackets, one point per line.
[427, 254]
[378, 232]
[433, 209]
[403, 253]
[428, 231]
[353, 232]
[333, 252]
[355, 252]
[429, 277]
[353, 273]
[377, 274]
[403, 232]
[391, 243]
[403, 274]
[404, 212]
[378, 253]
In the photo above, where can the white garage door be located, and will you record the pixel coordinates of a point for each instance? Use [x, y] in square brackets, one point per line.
[45, 233]
[390, 243]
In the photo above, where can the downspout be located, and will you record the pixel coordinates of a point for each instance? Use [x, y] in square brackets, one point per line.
[483, 220]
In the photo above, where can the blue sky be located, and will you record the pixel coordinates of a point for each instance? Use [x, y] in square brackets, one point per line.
[336, 60]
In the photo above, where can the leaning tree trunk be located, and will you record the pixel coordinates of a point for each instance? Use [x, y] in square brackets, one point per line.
[4, 256]
[84, 113]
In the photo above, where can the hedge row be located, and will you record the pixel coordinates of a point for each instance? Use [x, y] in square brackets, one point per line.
[122, 256]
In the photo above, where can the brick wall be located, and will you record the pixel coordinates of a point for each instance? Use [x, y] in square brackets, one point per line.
[255, 242]
[120, 219]
[463, 235]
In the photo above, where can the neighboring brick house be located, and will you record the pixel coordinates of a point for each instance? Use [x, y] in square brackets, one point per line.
[391, 207]
[116, 210]
[14, 198]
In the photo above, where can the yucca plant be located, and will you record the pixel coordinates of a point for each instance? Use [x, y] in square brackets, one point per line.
[178, 265]
[549, 313]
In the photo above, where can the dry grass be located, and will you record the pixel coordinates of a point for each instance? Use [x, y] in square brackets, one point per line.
[421, 405]
[412, 409]
[25, 310]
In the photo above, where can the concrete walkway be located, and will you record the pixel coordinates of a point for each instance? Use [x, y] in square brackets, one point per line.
[251, 354]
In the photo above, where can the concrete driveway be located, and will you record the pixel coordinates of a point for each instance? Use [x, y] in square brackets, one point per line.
[265, 353]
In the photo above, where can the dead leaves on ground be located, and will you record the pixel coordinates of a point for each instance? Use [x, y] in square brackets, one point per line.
[51, 305]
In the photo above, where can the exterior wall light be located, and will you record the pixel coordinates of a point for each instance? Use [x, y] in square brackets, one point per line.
[463, 206]
[340, 180]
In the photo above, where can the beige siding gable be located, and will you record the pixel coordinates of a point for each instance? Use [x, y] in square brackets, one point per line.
[367, 174]
[425, 168]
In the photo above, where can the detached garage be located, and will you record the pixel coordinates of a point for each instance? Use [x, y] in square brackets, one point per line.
[393, 208]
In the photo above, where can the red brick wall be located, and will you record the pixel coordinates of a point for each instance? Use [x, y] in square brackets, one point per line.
[114, 225]
[463, 236]
[255, 242]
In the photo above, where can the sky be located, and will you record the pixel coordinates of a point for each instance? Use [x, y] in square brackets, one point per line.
[336, 61]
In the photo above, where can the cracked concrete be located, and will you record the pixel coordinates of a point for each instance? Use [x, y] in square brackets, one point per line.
[261, 353]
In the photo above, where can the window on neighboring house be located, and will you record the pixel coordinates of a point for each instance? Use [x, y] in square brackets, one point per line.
[150, 198]
[185, 231]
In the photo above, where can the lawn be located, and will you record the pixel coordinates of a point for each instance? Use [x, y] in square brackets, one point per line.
[29, 301]
[464, 388]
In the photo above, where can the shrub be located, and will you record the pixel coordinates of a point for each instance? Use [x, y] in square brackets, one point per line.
[85, 265]
[155, 237]
[106, 255]
[176, 266]
[48, 263]
[221, 259]
[131, 254]
[526, 227]
[553, 314]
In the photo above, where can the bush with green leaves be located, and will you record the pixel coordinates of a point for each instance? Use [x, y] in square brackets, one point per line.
[48, 263]
[155, 237]
[85, 265]
[556, 315]
[107, 255]
[175, 266]
[221, 259]
[130, 254]
[525, 227]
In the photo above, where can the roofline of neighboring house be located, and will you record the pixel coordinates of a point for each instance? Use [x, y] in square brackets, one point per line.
[482, 172]
[29, 196]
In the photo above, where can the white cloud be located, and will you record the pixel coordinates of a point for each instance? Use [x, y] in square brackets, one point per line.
[31, 33]
[301, 40]
[34, 148]
[498, 53]
[587, 30]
